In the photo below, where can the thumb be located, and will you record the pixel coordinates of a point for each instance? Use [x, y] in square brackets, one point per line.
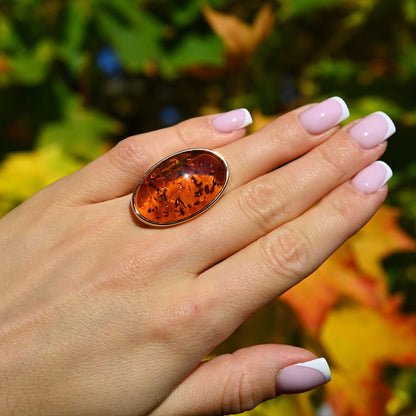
[234, 383]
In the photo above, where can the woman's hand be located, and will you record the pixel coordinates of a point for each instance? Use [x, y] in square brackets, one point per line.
[102, 316]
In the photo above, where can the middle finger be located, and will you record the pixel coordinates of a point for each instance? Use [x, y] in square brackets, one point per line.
[254, 209]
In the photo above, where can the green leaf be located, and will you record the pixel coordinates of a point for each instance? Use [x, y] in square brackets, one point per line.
[135, 44]
[8, 38]
[194, 50]
[185, 15]
[130, 11]
[339, 71]
[32, 67]
[409, 10]
[75, 30]
[407, 59]
[82, 133]
[369, 104]
[291, 8]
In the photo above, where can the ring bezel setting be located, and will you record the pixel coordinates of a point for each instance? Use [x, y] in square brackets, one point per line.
[180, 187]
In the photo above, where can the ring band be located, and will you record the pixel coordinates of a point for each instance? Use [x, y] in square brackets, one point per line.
[180, 187]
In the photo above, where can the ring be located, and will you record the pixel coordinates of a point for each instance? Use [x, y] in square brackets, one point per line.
[180, 187]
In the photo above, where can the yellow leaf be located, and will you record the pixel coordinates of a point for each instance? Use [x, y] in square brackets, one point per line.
[360, 342]
[23, 173]
[287, 405]
[260, 120]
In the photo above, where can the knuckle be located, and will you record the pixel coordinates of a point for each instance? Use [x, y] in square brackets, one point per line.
[241, 391]
[341, 209]
[263, 203]
[100, 226]
[138, 261]
[182, 314]
[186, 134]
[336, 162]
[138, 264]
[286, 253]
[182, 320]
[131, 156]
[238, 393]
[246, 399]
[133, 271]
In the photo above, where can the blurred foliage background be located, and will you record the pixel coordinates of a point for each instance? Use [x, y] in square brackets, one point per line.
[77, 76]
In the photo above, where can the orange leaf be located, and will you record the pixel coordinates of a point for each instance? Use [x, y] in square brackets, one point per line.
[240, 39]
[4, 67]
[360, 342]
[353, 272]
[381, 237]
[331, 282]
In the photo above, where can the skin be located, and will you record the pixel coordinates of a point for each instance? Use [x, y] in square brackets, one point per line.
[100, 315]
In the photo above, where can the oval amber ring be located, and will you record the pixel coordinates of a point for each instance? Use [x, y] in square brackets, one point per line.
[180, 187]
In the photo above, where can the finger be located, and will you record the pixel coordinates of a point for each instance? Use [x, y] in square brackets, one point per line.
[286, 138]
[261, 151]
[117, 172]
[265, 203]
[271, 265]
[238, 382]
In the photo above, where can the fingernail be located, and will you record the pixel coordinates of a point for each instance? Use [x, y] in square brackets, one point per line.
[232, 120]
[324, 115]
[302, 377]
[372, 178]
[372, 130]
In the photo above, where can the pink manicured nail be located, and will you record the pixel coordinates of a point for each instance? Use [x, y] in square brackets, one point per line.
[372, 178]
[324, 115]
[232, 120]
[302, 377]
[372, 130]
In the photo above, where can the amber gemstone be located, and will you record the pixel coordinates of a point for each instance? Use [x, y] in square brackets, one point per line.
[180, 187]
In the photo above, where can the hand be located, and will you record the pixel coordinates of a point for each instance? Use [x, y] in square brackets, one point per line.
[102, 316]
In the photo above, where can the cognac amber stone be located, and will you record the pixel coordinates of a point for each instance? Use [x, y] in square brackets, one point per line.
[180, 187]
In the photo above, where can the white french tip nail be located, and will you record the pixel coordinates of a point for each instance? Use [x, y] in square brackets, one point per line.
[345, 111]
[391, 127]
[232, 120]
[389, 172]
[247, 118]
[319, 364]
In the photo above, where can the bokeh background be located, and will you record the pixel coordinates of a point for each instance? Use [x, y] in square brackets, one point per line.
[78, 76]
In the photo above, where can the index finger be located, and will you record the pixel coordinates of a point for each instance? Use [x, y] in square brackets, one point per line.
[115, 173]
